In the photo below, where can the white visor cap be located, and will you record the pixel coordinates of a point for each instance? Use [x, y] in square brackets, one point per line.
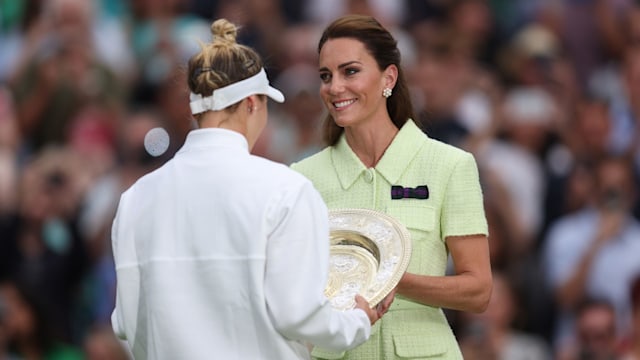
[231, 94]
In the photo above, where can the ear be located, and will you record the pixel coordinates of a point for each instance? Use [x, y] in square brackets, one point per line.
[390, 76]
[251, 103]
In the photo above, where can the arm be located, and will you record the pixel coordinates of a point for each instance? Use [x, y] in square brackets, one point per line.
[569, 293]
[296, 273]
[468, 290]
[117, 321]
[463, 226]
[124, 318]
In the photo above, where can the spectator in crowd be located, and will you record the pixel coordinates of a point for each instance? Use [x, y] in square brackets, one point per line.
[617, 23]
[162, 35]
[591, 129]
[92, 136]
[28, 327]
[516, 158]
[472, 31]
[294, 131]
[438, 82]
[532, 310]
[596, 335]
[535, 57]
[493, 334]
[593, 251]
[4, 333]
[9, 143]
[625, 132]
[631, 348]
[102, 344]
[569, 192]
[45, 250]
[323, 12]
[584, 140]
[29, 23]
[63, 75]
[172, 101]
[19, 31]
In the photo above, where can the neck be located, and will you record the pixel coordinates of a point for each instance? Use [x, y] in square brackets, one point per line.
[222, 120]
[369, 143]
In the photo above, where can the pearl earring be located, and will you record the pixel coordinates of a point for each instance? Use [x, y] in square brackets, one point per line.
[386, 92]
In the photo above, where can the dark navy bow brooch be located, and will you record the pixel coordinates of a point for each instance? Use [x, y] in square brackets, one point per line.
[419, 192]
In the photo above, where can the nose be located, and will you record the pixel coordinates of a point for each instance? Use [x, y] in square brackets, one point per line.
[335, 86]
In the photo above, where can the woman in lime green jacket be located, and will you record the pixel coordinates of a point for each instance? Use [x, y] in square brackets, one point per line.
[378, 158]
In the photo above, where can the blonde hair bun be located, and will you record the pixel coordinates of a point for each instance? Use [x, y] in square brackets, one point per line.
[224, 30]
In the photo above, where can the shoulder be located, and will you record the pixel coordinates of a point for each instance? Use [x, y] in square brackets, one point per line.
[275, 169]
[279, 180]
[147, 183]
[447, 162]
[446, 152]
[313, 162]
[412, 133]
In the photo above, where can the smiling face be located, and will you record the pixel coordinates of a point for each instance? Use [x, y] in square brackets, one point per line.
[352, 82]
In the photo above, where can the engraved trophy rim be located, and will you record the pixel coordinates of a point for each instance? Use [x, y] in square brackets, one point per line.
[369, 252]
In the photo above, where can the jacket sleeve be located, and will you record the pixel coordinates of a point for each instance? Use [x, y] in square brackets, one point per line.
[296, 274]
[124, 316]
[117, 322]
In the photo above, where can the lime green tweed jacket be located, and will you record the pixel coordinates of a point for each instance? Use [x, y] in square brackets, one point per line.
[454, 207]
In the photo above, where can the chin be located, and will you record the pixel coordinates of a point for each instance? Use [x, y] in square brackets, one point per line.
[343, 121]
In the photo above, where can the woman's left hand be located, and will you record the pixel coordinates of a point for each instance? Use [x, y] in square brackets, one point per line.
[383, 306]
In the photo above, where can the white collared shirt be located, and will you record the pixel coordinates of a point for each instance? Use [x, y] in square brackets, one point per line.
[224, 255]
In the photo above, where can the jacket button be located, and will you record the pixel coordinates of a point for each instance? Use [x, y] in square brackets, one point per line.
[368, 175]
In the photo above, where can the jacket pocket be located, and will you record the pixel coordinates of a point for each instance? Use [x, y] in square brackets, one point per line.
[409, 346]
[319, 353]
[421, 221]
[414, 216]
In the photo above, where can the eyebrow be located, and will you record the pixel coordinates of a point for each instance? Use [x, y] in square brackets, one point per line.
[341, 65]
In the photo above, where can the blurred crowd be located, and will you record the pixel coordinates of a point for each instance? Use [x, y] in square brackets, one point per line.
[544, 93]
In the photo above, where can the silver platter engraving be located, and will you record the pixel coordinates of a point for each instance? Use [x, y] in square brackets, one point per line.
[369, 253]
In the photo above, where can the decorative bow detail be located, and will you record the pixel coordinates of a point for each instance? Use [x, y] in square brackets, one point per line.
[419, 192]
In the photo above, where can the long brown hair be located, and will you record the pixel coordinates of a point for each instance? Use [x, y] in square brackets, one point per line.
[384, 49]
